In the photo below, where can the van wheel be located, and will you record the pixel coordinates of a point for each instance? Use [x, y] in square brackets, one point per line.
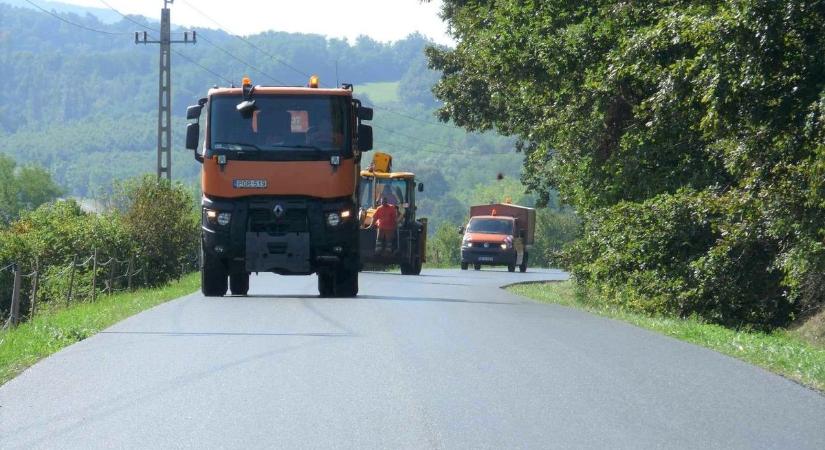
[464, 266]
[511, 267]
[213, 277]
[476, 266]
[239, 283]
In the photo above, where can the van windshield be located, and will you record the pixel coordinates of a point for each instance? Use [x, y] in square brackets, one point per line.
[490, 226]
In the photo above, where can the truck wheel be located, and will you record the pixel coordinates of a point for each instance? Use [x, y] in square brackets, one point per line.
[326, 283]
[239, 283]
[346, 282]
[464, 266]
[511, 267]
[476, 266]
[523, 267]
[213, 277]
[417, 267]
[411, 269]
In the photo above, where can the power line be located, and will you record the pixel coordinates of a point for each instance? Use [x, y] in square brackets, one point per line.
[201, 66]
[275, 58]
[110, 33]
[128, 18]
[438, 144]
[231, 55]
[428, 122]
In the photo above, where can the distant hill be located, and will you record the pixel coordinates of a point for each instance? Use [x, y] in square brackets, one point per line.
[84, 103]
[102, 14]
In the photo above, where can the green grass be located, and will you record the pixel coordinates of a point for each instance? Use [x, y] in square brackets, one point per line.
[51, 331]
[383, 92]
[781, 352]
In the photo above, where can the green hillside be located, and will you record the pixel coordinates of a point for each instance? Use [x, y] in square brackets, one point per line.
[380, 92]
[91, 118]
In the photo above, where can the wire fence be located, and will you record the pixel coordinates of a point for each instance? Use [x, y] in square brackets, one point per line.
[28, 290]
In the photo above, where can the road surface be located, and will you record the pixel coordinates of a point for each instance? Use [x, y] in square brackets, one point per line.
[445, 360]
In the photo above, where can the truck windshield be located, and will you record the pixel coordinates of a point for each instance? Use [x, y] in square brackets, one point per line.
[279, 123]
[393, 190]
[491, 226]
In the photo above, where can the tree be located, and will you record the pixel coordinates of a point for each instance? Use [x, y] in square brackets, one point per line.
[23, 188]
[711, 112]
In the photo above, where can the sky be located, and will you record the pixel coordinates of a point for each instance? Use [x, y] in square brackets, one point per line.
[383, 20]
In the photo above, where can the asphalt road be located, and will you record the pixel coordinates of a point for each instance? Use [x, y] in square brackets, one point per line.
[445, 360]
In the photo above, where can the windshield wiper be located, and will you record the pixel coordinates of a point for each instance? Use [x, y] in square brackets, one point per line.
[234, 146]
[299, 146]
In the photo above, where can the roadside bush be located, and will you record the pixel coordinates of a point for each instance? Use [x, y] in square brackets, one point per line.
[159, 218]
[554, 231]
[155, 227]
[690, 253]
[444, 247]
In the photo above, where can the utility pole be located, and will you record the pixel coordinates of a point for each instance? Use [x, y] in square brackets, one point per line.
[165, 86]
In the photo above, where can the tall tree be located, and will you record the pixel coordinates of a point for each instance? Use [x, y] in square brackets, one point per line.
[705, 117]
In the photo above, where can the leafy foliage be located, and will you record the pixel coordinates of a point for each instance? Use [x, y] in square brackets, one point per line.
[23, 188]
[705, 119]
[156, 228]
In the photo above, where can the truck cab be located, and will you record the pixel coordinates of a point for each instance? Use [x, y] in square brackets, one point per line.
[279, 178]
[497, 235]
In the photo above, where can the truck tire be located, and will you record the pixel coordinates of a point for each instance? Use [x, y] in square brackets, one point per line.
[411, 269]
[346, 282]
[464, 266]
[476, 266]
[511, 267]
[326, 283]
[523, 267]
[213, 277]
[239, 283]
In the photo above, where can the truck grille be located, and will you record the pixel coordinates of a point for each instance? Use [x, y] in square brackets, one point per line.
[263, 220]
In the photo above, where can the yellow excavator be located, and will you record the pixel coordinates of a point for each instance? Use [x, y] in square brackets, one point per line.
[399, 188]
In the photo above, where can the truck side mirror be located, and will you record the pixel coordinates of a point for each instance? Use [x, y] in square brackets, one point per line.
[193, 112]
[420, 187]
[364, 113]
[193, 134]
[364, 138]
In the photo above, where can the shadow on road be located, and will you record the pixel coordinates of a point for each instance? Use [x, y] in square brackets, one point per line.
[175, 333]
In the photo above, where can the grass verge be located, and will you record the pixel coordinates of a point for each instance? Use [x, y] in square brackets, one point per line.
[781, 352]
[51, 331]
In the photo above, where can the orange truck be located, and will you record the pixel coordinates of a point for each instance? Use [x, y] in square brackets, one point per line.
[498, 234]
[280, 171]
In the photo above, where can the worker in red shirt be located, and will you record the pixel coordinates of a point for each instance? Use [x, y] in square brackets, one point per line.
[386, 220]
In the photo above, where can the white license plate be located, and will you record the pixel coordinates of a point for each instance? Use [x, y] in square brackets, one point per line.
[485, 258]
[249, 184]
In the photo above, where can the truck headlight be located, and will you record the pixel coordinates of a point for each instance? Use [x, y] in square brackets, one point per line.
[224, 218]
[333, 219]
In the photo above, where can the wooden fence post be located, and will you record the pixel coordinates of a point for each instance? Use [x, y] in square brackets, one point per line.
[113, 262]
[94, 276]
[35, 283]
[71, 280]
[15, 296]
[129, 273]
